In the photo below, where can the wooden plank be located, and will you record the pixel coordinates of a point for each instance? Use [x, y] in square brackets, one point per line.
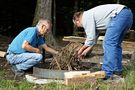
[79, 39]
[81, 81]
[128, 44]
[74, 39]
[79, 78]
[80, 74]
[72, 74]
[2, 53]
[100, 61]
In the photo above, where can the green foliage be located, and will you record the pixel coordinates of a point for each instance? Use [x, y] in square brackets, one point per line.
[13, 85]
[128, 84]
[6, 84]
[1, 74]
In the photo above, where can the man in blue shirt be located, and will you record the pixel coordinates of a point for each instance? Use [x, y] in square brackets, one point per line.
[116, 19]
[24, 52]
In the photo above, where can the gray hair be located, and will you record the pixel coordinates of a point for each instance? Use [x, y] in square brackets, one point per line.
[43, 21]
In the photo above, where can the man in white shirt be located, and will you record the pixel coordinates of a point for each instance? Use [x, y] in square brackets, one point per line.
[116, 19]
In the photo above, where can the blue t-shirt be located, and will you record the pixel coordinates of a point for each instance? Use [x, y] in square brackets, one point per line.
[29, 34]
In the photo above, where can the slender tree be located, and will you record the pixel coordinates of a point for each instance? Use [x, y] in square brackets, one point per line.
[75, 9]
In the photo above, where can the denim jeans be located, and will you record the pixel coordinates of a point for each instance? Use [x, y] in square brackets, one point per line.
[24, 61]
[116, 29]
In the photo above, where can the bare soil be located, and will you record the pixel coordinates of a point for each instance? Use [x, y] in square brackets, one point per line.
[4, 65]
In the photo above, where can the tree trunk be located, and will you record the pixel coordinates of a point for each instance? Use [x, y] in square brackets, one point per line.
[44, 10]
[118, 1]
[54, 17]
[75, 9]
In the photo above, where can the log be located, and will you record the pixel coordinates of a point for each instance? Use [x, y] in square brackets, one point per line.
[100, 38]
[72, 74]
[74, 78]
[74, 39]
[128, 44]
[2, 53]
[79, 39]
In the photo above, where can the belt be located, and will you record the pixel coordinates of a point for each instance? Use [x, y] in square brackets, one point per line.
[126, 8]
[8, 54]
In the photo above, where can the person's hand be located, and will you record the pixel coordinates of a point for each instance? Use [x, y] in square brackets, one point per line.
[82, 55]
[38, 50]
[56, 52]
[82, 52]
[75, 54]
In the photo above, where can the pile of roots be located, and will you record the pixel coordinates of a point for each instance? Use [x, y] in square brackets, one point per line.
[66, 59]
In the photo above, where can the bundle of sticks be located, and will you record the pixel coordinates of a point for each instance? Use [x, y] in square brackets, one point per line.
[66, 59]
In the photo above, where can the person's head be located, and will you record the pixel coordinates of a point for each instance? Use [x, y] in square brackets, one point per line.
[44, 26]
[77, 19]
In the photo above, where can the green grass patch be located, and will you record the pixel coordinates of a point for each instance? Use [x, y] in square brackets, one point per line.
[14, 85]
[128, 84]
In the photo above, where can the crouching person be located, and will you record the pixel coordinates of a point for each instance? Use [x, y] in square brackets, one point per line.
[23, 52]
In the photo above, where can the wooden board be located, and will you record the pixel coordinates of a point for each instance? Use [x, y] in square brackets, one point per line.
[80, 74]
[74, 39]
[79, 39]
[81, 81]
[2, 53]
[129, 44]
[72, 78]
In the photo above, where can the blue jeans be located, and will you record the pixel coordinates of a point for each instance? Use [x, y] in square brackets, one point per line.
[24, 61]
[116, 29]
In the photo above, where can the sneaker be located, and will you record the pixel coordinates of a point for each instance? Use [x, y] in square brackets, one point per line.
[117, 78]
[16, 71]
[113, 79]
[117, 73]
[107, 77]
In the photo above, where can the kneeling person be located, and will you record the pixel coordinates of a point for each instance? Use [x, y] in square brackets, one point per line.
[23, 52]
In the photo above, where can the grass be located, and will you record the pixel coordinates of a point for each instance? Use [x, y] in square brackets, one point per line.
[13, 85]
[128, 84]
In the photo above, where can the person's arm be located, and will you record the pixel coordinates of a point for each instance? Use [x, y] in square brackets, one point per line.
[29, 48]
[49, 49]
[84, 50]
[89, 25]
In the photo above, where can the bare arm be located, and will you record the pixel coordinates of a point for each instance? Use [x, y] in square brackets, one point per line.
[84, 50]
[49, 49]
[29, 48]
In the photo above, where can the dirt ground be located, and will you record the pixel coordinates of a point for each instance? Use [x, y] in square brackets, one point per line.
[97, 54]
[4, 41]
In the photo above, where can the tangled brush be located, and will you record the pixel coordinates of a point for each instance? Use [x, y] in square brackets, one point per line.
[66, 59]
